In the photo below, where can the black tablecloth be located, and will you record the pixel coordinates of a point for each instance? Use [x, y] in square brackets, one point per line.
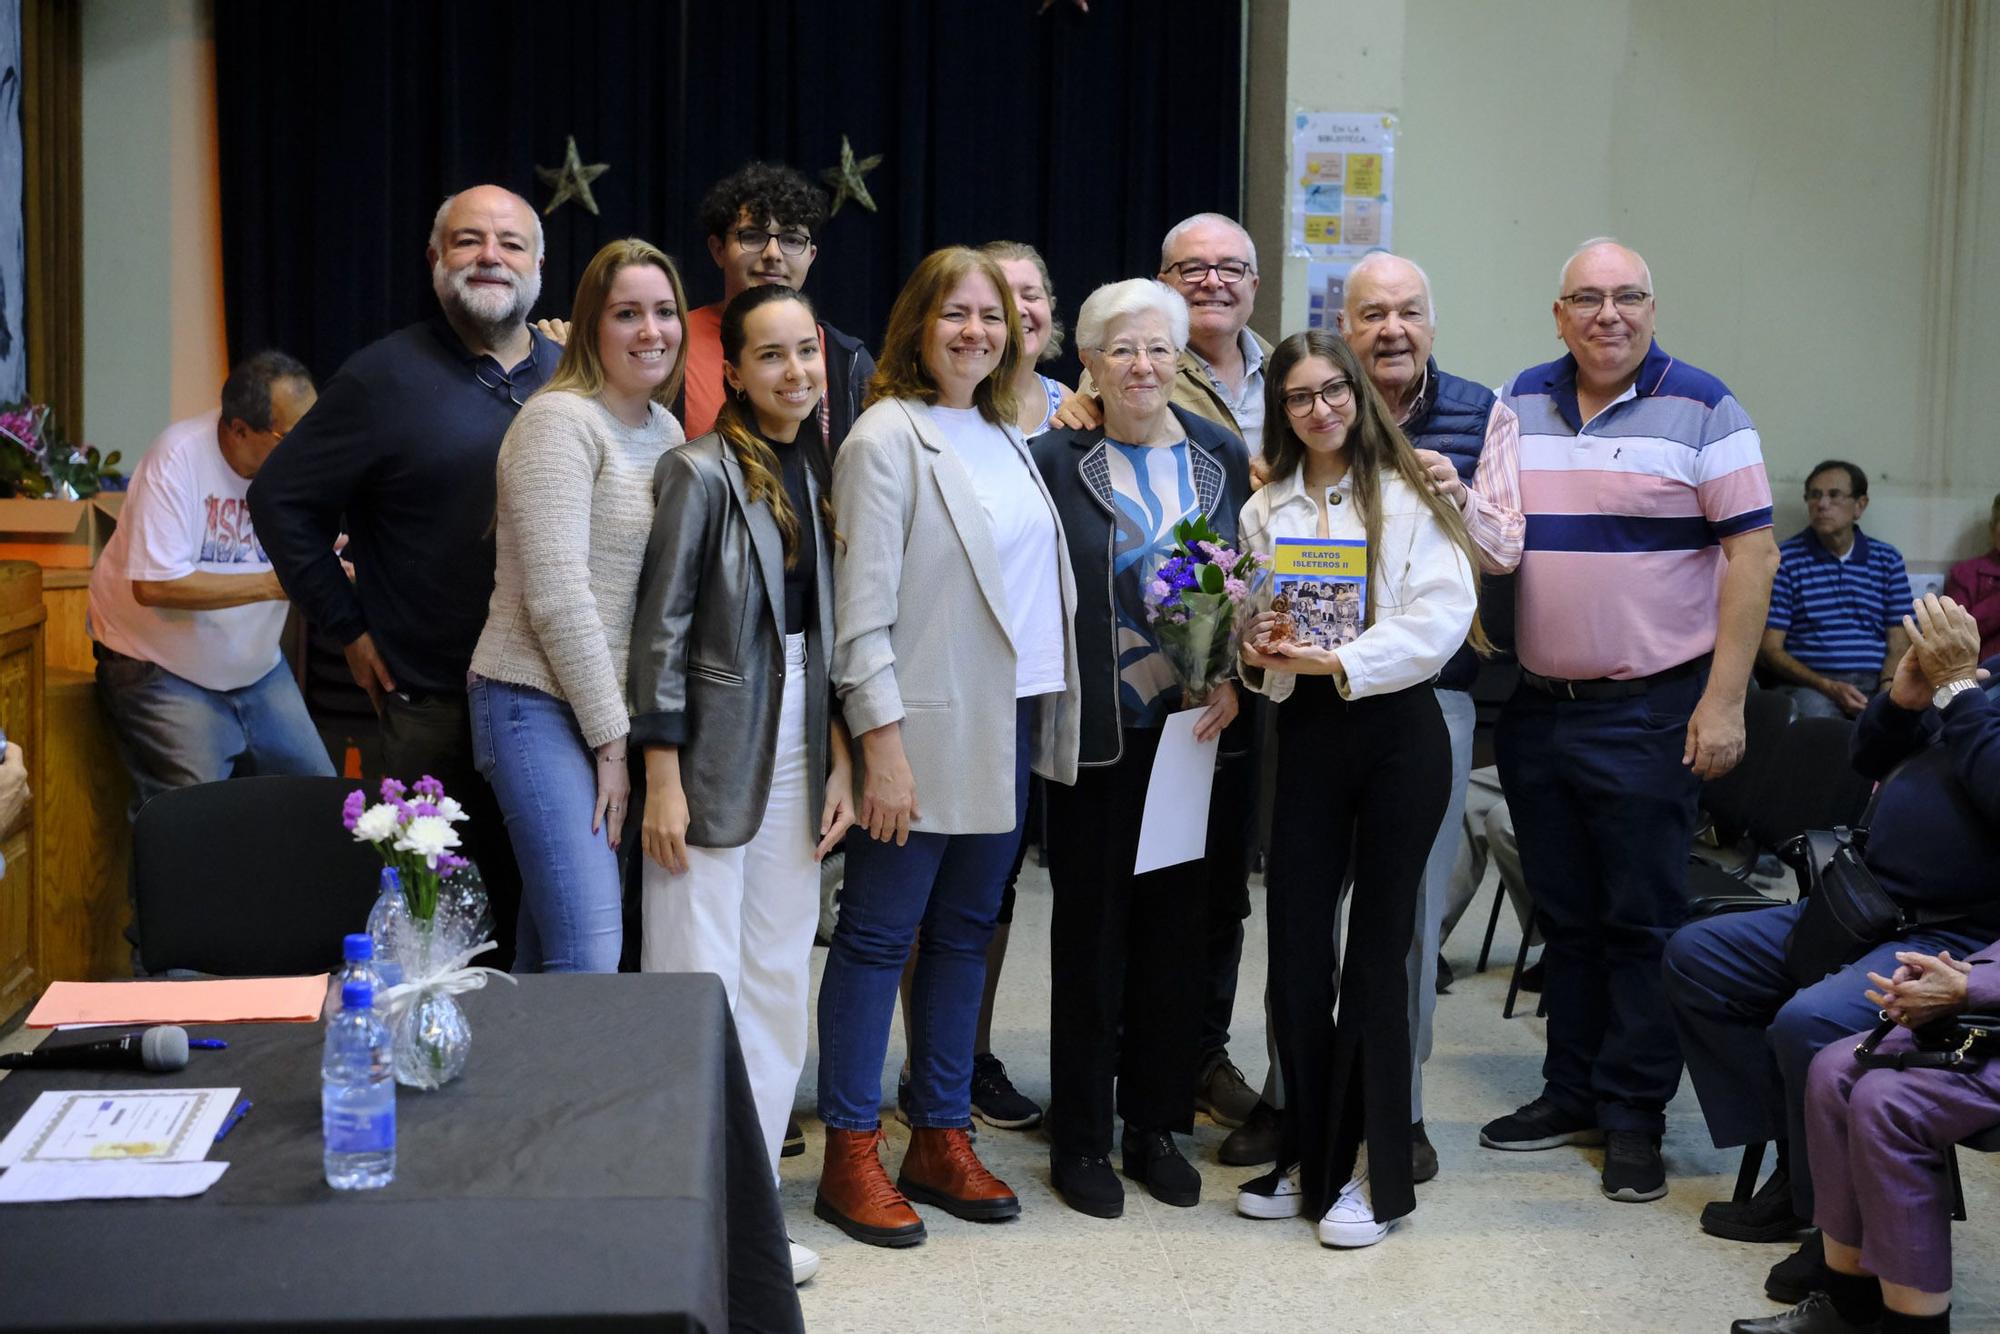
[599, 1163]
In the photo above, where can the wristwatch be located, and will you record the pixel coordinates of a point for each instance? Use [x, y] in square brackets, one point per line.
[1951, 690]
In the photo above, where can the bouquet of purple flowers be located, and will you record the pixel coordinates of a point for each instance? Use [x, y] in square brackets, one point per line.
[1197, 603]
[412, 828]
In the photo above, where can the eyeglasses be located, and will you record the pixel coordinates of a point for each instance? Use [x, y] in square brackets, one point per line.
[1627, 299]
[1334, 393]
[502, 385]
[1194, 273]
[752, 239]
[1814, 497]
[1121, 356]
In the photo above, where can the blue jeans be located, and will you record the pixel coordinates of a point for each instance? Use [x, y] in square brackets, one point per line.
[1750, 1032]
[528, 746]
[173, 733]
[950, 886]
[1812, 704]
[1604, 813]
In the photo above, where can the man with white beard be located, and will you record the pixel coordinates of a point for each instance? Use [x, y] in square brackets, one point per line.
[401, 447]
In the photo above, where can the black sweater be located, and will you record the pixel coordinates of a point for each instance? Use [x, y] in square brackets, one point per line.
[402, 445]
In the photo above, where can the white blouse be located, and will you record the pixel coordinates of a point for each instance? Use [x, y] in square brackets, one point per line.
[1419, 582]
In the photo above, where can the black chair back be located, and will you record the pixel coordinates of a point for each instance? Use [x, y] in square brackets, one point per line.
[1731, 801]
[1812, 783]
[250, 877]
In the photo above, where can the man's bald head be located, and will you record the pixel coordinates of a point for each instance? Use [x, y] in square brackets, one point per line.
[486, 262]
[1388, 317]
[1604, 247]
[1604, 313]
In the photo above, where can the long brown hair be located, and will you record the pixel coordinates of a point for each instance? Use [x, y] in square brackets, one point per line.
[1374, 445]
[736, 423]
[581, 370]
[900, 371]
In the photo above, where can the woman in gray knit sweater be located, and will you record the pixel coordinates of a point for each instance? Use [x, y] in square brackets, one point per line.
[549, 722]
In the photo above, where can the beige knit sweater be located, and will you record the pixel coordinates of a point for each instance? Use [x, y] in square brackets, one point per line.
[575, 509]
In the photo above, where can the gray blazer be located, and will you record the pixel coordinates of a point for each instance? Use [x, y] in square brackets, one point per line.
[708, 652]
[922, 624]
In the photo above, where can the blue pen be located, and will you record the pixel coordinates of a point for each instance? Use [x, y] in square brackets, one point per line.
[229, 1122]
[207, 1044]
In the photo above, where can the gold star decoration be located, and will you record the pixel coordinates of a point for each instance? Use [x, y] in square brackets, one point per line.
[846, 178]
[571, 180]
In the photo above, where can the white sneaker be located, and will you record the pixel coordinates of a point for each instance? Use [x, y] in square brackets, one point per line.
[805, 1263]
[1276, 1194]
[1351, 1221]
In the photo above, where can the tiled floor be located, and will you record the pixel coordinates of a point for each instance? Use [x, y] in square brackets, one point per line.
[1499, 1242]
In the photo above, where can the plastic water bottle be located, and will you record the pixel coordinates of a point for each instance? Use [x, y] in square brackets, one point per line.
[385, 926]
[358, 954]
[357, 1098]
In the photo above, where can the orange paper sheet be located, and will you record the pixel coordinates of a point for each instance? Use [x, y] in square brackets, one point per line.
[281, 1000]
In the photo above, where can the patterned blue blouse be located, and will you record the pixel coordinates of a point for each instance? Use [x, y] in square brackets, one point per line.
[1152, 490]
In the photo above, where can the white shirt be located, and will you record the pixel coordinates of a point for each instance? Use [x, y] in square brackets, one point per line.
[1024, 535]
[1419, 583]
[185, 513]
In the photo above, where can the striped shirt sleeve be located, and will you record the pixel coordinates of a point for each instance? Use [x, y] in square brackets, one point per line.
[1492, 504]
[1895, 585]
[1780, 615]
[1730, 482]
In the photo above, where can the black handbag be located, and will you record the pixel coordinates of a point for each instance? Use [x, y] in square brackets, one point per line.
[1847, 912]
[1961, 1042]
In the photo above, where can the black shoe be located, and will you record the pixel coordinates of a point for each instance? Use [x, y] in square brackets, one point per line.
[996, 1101]
[1255, 1141]
[1814, 1315]
[1445, 976]
[1798, 1274]
[795, 1139]
[1531, 976]
[1633, 1172]
[1223, 1093]
[1765, 1216]
[1539, 1125]
[1086, 1183]
[1423, 1156]
[1152, 1157]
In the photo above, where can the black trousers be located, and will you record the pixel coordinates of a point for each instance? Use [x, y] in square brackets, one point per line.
[1126, 954]
[1232, 835]
[1361, 785]
[432, 734]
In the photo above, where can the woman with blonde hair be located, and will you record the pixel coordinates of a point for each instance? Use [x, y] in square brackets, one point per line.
[955, 663]
[1364, 768]
[547, 688]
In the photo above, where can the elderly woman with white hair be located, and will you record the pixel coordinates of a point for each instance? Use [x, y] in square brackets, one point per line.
[1127, 949]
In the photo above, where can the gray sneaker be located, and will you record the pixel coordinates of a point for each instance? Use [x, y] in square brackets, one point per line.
[1224, 1095]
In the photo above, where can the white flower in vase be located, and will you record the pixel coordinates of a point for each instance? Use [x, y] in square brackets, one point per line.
[376, 824]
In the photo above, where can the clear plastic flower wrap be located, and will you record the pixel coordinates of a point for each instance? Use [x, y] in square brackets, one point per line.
[1197, 604]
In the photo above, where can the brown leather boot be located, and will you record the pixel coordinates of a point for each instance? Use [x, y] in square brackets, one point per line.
[856, 1197]
[940, 1168]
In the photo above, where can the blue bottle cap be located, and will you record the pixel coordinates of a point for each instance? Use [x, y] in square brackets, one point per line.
[390, 879]
[357, 947]
[358, 994]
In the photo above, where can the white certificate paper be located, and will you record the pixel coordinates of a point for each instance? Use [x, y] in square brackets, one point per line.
[136, 1125]
[44, 1183]
[1175, 826]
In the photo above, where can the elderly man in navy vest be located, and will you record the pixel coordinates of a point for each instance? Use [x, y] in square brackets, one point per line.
[1390, 320]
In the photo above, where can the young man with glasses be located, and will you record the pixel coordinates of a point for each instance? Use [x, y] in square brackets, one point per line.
[760, 221]
[401, 449]
[1835, 629]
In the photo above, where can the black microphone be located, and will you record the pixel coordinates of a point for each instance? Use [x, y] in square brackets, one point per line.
[162, 1048]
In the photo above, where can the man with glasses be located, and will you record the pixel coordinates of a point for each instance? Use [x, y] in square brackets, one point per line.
[1645, 572]
[402, 447]
[760, 221]
[185, 611]
[1835, 629]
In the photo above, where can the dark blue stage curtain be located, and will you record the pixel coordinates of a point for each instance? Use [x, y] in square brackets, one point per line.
[342, 125]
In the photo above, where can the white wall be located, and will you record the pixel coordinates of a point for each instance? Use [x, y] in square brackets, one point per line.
[1778, 162]
[153, 349]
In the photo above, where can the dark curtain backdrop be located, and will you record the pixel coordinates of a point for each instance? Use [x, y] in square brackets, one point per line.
[343, 125]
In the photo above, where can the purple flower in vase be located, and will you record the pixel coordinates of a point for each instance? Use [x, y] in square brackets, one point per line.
[425, 808]
[393, 790]
[451, 862]
[350, 810]
[430, 787]
[1236, 589]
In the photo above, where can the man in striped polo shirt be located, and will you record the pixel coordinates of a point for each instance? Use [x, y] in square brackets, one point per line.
[1835, 629]
[1645, 572]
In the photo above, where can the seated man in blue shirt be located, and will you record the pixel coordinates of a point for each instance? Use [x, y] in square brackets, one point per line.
[1834, 632]
[1747, 1029]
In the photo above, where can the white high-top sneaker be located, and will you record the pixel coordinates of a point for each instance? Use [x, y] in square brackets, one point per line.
[805, 1263]
[1351, 1221]
[1276, 1194]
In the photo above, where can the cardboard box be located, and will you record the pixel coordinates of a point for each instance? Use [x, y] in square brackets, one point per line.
[58, 534]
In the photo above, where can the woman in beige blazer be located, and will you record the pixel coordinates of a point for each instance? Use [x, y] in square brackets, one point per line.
[955, 662]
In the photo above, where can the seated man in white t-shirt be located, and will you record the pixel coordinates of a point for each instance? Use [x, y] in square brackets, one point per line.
[185, 609]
